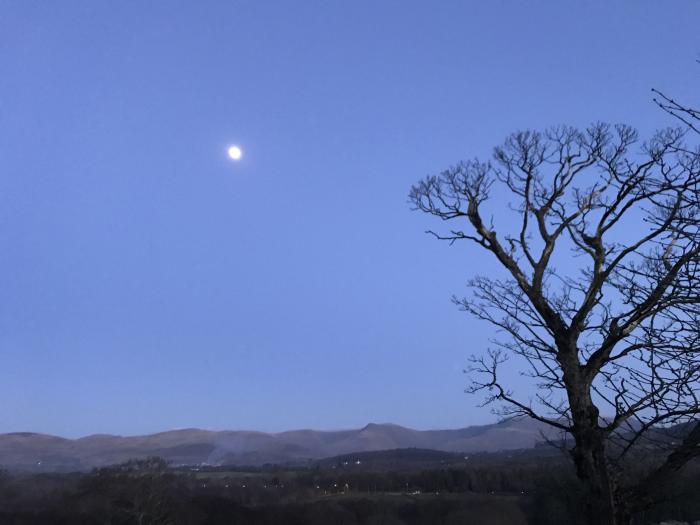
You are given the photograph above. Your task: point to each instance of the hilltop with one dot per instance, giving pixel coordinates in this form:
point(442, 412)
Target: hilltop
point(40, 452)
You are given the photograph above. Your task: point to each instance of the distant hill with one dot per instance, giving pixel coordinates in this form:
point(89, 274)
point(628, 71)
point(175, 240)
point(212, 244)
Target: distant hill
point(40, 452)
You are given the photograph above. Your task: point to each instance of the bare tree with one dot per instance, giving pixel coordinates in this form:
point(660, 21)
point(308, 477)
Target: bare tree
point(141, 490)
point(599, 301)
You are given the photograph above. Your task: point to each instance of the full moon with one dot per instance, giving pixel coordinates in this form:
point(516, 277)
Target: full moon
point(235, 153)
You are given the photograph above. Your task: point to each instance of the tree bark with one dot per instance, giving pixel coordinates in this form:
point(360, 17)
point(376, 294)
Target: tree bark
point(603, 499)
point(592, 469)
point(589, 453)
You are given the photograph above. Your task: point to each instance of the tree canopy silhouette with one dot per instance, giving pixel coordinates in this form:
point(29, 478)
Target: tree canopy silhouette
point(598, 302)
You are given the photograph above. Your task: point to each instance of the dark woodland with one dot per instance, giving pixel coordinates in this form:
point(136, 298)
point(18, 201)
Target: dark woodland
point(489, 489)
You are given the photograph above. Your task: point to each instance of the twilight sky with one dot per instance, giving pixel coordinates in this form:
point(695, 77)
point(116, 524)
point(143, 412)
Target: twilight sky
point(147, 282)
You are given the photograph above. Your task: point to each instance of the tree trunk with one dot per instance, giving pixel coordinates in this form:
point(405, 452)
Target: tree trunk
point(603, 503)
point(600, 499)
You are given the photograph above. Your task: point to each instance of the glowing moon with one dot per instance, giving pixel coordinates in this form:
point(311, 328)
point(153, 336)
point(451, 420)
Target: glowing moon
point(235, 153)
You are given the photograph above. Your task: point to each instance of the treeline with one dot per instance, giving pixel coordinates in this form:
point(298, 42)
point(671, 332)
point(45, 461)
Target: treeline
point(149, 492)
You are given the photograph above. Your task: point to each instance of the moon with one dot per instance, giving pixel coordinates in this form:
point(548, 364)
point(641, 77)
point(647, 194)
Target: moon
point(235, 153)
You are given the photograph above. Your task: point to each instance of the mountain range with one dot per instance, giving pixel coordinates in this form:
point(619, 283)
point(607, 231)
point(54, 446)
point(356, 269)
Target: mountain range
point(41, 452)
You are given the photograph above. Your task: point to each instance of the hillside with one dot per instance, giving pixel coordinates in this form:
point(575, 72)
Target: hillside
point(39, 452)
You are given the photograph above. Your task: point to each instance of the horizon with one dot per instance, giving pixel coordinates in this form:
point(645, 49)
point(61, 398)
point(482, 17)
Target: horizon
point(251, 430)
point(151, 281)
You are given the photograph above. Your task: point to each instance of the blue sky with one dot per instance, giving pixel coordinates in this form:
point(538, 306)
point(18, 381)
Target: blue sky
point(147, 282)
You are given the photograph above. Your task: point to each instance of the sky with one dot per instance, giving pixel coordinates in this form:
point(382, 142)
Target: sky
point(148, 282)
